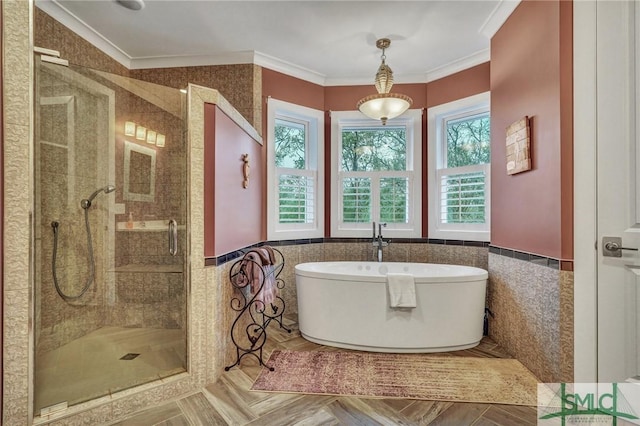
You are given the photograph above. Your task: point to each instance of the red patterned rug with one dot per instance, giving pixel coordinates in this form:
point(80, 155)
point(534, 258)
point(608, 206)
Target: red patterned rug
point(410, 376)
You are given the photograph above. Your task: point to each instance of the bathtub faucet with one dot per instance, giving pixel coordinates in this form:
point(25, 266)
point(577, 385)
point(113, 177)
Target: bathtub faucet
point(378, 241)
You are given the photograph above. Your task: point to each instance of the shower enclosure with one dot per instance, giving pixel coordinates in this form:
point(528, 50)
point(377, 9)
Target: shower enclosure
point(109, 261)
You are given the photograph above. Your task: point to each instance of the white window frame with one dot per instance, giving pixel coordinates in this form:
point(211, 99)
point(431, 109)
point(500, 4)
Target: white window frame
point(436, 120)
point(313, 120)
point(412, 120)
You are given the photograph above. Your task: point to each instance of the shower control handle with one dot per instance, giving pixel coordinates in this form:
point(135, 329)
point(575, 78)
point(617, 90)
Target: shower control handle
point(173, 237)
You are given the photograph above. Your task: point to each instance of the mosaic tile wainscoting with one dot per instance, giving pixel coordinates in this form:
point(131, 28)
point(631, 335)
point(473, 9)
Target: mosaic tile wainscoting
point(532, 306)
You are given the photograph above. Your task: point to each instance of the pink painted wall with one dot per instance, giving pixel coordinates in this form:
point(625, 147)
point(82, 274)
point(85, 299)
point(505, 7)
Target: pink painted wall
point(531, 74)
point(460, 85)
point(233, 214)
point(448, 89)
point(290, 89)
point(344, 98)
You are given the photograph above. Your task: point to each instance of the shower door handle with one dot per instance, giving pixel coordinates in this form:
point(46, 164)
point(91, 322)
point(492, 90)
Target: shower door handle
point(173, 237)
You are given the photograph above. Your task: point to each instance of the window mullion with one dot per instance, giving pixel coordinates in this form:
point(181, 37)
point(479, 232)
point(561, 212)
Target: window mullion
point(375, 197)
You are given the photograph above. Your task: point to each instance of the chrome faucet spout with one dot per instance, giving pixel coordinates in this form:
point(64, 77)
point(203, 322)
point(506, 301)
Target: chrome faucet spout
point(380, 225)
point(381, 242)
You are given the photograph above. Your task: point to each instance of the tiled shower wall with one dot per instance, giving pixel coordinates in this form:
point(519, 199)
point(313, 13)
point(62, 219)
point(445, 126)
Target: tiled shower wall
point(50, 34)
point(149, 282)
point(68, 169)
point(240, 84)
point(533, 315)
point(149, 291)
point(148, 295)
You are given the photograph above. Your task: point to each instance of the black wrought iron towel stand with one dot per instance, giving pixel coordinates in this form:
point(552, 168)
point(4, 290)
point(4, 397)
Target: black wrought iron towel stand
point(249, 329)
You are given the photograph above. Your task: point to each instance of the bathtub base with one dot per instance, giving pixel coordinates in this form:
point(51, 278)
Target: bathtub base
point(389, 350)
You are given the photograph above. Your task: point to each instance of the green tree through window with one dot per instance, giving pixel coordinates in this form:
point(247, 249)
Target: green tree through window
point(293, 190)
point(468, 143)
point(374, 150)
point(290, 144)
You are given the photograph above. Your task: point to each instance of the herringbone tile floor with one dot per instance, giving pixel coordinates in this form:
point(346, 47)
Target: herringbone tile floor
point(229, 401)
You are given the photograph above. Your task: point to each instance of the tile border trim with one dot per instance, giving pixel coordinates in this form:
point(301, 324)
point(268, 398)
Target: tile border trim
point(227, 257)
point(550, 262)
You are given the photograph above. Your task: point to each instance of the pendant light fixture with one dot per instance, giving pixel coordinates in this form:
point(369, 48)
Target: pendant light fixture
point(384, 105)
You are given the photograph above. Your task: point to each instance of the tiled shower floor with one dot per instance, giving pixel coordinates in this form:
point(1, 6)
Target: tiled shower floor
point(90, 367)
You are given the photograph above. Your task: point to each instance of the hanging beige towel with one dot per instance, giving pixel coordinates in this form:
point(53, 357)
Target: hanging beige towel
point(402, 291)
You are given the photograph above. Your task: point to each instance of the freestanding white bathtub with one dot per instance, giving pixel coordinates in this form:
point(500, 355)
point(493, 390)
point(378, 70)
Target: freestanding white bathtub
point(346, 304)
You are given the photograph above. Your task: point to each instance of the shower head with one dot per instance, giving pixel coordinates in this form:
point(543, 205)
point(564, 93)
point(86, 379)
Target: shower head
point(86, 203)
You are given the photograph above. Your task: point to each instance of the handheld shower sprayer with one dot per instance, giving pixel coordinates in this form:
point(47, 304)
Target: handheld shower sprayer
point(55, 225)
point(86, 203)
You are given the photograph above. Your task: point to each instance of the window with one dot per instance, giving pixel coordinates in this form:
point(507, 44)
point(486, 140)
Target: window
point(294, 156)
point(377, 174)
point(459, 164)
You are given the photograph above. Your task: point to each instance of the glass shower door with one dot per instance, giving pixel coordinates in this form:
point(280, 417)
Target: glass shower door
point(109, 235)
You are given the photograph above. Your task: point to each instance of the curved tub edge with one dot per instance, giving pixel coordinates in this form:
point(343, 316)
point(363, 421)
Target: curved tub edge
point(372, 272)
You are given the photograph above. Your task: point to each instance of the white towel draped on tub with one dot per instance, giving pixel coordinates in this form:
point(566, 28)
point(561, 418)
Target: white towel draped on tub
point(402, 291)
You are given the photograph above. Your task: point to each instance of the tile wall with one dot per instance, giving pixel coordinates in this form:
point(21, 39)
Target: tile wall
point(67, 170)
point(50, 34)
point(17, 115)
point(240, 84)
point(532, 306)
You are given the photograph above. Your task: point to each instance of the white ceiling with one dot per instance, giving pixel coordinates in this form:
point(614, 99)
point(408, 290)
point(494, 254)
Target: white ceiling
point(326, 42)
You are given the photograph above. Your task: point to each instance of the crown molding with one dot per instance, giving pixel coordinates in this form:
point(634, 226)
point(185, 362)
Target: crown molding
point(78, 26)
point(498, 17)
point(458, 65)
point(233, 58)
point(289, 68)
point(74, 23)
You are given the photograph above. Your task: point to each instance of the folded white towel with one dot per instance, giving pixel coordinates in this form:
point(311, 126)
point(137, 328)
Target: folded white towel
point(402, 291)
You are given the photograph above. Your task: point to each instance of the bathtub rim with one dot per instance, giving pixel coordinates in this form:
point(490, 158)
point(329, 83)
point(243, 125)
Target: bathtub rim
point(473, 273)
